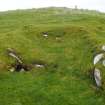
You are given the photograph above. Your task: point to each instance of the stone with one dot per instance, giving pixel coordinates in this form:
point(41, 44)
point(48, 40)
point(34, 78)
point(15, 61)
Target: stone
point(45, 35)
point(13, 54)
point(22, 70)
point(97, 77)
point(58, 39)
point(12, 69)
point(39, 65)
point(97, 58)
point(103, 47)
point(16, 57)
point(103, 62)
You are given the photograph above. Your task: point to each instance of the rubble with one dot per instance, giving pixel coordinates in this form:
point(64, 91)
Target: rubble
point(19, 65)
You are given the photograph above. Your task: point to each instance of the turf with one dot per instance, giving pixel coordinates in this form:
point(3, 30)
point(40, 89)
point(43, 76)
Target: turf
point(80, 36)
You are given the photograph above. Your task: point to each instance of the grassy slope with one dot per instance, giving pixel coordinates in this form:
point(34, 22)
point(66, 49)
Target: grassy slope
point(81, 32)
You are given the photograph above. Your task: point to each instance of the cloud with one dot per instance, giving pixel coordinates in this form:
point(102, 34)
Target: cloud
point(22, 4)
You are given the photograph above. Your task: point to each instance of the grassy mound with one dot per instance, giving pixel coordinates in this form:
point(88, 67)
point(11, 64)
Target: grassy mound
point(74, 37)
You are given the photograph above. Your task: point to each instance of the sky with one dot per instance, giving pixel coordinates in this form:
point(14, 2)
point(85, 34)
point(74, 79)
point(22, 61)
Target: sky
point(25, 4)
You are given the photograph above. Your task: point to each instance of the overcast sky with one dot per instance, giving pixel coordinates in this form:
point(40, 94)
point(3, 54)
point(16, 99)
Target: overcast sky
point(23, 4)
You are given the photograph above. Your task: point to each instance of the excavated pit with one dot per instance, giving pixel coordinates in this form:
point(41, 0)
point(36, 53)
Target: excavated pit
point(20, 67)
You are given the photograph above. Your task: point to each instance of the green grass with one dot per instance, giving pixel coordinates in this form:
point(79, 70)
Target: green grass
point(81, 34)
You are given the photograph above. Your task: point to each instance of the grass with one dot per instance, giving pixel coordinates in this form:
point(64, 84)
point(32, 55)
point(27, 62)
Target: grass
point(81, 34)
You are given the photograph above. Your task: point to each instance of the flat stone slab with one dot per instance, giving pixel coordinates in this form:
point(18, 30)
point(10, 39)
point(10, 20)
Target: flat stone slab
point(97, 77)
point(97, 58)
